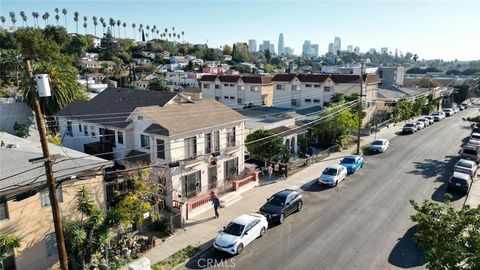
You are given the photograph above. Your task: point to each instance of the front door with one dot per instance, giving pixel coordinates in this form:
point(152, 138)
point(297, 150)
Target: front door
point(212, 176)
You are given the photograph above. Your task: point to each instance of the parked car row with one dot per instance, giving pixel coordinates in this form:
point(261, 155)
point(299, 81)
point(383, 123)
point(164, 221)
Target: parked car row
point(465, 170)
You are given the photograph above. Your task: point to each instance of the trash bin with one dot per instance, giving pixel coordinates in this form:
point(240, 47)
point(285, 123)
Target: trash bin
point(311, 151)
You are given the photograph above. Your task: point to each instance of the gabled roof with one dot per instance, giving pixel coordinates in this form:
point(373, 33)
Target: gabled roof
point(320, 78)
point(202, 114)
point(283, 77)
point(208, 78)
point(257, 79)
point(345, 78)
point(17, 171)
point(234, 78)
point(229, 78)
point(113, 105)
point(313, 78)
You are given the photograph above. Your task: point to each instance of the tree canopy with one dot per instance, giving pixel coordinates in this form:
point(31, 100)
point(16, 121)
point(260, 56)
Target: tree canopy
point(268, 145)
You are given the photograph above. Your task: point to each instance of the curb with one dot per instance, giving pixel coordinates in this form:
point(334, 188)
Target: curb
point(203, 249)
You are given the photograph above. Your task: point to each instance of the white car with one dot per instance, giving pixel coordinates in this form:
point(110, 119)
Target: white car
point(448, 111)
point(332, 175)
point(466, 166)
point(241, 232)
point(420, 125)
point(425, 121)
point(379, 146)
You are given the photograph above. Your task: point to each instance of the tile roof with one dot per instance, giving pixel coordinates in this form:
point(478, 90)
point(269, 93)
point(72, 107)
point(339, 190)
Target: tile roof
point(320, 78)
point(188, 117)
point(113, 105)
point(284, 131)
point(345, 78)
point(208, 78)
point(283, 77)
point(18, 171)
point(229, 78)
point(313, 78)
point(234, 78)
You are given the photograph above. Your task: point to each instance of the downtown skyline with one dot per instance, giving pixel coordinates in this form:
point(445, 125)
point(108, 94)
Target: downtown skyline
point(426, 35)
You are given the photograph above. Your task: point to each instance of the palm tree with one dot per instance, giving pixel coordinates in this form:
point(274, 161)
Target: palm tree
point(57, 17)
point(75, 18)
point(22, 15)
point(183, 36)
point(64, 11)
point(112, 24)
point(140, 27)
point(148, 29)
point(12, 17)
point(85, 26)
point(173, 28)
point(169, 35)
point(157, 31)
point(118, 27)
point(133, 26)
point(2, 18)
point(35, 18)
point(47, 15)
point(95, 23)
point(7, 243)
point(166, 31)
point(102, 22)
point(178, 36)
point(125, 29)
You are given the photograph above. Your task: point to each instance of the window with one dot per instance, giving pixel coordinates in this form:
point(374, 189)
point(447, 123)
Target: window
point(92, 128)
point(51, 242)
point(232, 85)
point(145, 141)
point(85, 130)
point(295, 102)
point(230, 168)
point(307, 85)
point(326, 89)
point(225, 84)
point(308, 100)
point(160, 149)
point(316, 100)
point(241, 87)
point(192, 184)
point(296, 87)
point(217, 86)
point(69, 129)
point(3, 208)
point(254, 88)
point(45, 198)
point(120, 137)
point(316, 85)
point(216, 140)
point(279, 87)
point(232, 97)
point(239, 101)
point(190, 145)
point(231, 137)
point(79, 127)
point(218, 98)
point(140, 117)
point(208, 143)
point(225, 97)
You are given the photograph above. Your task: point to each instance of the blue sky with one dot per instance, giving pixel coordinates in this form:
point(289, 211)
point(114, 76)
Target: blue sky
point(432, 29)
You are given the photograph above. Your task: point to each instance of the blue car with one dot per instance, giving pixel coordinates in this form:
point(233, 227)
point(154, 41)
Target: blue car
point(352, 163)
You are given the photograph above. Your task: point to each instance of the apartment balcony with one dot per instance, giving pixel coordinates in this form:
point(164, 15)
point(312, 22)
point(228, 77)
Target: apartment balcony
point(100, 149)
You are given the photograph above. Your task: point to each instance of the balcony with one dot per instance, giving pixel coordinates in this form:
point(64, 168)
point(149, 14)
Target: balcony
point(101, 149)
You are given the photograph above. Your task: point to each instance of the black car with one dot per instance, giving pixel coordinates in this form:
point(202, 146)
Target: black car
point(282, 204)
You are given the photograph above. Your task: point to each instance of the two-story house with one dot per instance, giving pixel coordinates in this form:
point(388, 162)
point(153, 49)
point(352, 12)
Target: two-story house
point(198, 145)
point(24, 198)
point(237, 90)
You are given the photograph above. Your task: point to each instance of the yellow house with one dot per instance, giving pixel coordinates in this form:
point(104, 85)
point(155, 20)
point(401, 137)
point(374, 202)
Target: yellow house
point(24, 199)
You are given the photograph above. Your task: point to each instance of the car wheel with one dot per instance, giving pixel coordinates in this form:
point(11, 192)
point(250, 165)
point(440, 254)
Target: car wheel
point(299, 206)
point(282, 218)
point(239, 249)
point(262, 231)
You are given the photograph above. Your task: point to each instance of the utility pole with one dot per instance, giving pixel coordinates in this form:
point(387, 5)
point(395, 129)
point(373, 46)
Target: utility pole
point(360, 109)
point(51, 182)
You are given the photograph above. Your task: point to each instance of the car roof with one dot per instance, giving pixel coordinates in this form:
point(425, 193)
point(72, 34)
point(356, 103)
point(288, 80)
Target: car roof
point(352, 156)
point(244, 219)
point(336, 167)
point(382, 140)
point(284, 193)
point(460, 175)
point(475, 134)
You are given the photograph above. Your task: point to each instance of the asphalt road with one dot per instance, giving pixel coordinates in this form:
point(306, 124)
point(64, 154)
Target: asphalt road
point(364, 222)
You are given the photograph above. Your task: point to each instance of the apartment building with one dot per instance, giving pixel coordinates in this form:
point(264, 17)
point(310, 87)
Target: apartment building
point(237, 90)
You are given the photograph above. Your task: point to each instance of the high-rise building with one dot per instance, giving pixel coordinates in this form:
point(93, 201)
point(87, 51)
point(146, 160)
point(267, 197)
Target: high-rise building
point(266, 45)
point(331, 48)
point(396, 52)
point(281, 45)
point(357, 50)
point(384, 50)
point(288, 51)
point(252, 45)
point(372, 51)
point(350, 48)
point(310, 49)
point(306, 47)
point(337, 45)
point(314, 50)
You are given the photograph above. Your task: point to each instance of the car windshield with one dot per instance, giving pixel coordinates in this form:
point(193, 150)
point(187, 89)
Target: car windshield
point(277, 200)
point(330, 171)
point(409, 125)
point(470, 152)
point(464, 164)
point(379, 142)
point(234, 229)
point(458, 180)
point(348, 160)
point(476, 136)
point(435, 114)
point(422, 120)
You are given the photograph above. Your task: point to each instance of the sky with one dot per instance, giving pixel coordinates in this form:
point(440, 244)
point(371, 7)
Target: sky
point(432, 29)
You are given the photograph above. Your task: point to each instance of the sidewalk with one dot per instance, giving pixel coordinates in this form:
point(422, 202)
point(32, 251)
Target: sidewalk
point(473, 198)
point(205, 227)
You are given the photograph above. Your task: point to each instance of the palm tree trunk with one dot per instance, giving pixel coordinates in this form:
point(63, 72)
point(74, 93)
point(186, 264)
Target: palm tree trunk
point(66, 23)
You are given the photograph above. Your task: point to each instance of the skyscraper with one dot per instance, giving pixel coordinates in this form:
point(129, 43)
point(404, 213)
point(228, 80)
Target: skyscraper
point(357, 50)
point(350, 48)
point(266, 45)
point(306, 47)
point(288, 51)
point(281, 45)
point(384, 50)
point(337, 45)
point(331, 48)
point(252, 45)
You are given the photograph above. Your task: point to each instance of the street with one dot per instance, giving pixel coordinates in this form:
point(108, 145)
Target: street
point(363, 223)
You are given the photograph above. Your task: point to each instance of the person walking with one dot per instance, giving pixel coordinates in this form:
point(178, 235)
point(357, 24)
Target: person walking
point(270, 171)
point(216, 204)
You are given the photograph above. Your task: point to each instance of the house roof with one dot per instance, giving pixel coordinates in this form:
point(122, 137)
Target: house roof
point(284, 131)
point(390, 94)
point(17, 171)
point(192, 90)
point(188, 117)
point(313, 78)
point(345, 78)
point(208, 78)
point(113, 105)
point(229, 78)
point(235, 78)
point(283, 77)
point(320, 78)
